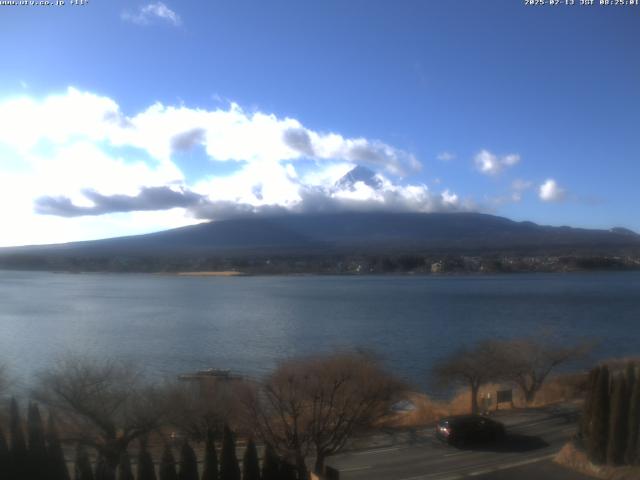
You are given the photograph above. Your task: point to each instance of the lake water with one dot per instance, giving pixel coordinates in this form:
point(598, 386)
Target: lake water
point(168, 324)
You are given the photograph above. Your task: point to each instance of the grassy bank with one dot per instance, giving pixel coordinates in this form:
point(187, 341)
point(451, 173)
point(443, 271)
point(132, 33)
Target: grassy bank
point(558, 389)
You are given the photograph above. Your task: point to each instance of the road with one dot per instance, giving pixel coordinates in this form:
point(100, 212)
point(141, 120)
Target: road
point(533, 438)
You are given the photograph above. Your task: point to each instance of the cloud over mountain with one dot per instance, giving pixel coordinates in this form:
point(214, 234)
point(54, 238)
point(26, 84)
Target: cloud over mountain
point(490, 164)
point(359, 190)
point(148, 199)
point(355, 150)
point(79, 156)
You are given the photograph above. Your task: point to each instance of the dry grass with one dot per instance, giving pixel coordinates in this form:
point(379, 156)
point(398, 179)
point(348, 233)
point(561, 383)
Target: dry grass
point(426, 411)
point(572, 457)
point(559, 389)
point(615, 364)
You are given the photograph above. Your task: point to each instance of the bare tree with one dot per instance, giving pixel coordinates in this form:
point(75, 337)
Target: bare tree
point(103, 404)
point(315, 405)
point(4, 379)
point(471, 367)
point(200, 408)
point(527, 362)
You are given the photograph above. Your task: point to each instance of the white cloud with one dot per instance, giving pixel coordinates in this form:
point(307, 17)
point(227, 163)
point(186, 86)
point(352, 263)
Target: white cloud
point(517, 190)
point(550, 191)
point(281, 189)
point(63, 146)
point(491, 164)
point(510, 160)
point(22, 226)
point(445, 156)
point(227, 135)
point(151, 12)
point(326, 174)
point(356, 150)
point(236, 135)
point(518, 187)
point(24, 121)
point(450, 198)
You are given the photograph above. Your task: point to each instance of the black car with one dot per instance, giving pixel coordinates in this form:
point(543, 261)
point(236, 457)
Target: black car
point(469, 429)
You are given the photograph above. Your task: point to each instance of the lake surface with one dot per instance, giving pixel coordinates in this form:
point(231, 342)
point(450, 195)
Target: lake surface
point(169, 324)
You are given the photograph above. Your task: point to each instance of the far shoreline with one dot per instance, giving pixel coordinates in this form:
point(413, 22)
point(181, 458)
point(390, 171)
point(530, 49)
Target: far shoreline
point(222, 273)
point(235, 273)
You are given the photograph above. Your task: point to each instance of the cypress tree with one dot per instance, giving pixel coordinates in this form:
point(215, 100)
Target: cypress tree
point(124, 467)
point(210, 471)
point(99, 468)
point(597, 443)
point(250, 463)
point(287, 471)
point(168, 465)
point(83, 465)
point(229, 468)
point(188, 463)
point(270, 464)
point(19, 454)
point(57, 464)
point(36, 443)
point(4, 456)
point(631, 453)
point(146, 470)
point(618, 422)
point(630, 376)
point(102, 470)
point(587, 411)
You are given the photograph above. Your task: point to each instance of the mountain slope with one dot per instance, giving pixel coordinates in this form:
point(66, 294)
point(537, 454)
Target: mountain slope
point(353, 232)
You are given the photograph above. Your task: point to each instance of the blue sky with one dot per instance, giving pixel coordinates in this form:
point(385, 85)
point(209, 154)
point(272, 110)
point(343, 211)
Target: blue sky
point(125, 117)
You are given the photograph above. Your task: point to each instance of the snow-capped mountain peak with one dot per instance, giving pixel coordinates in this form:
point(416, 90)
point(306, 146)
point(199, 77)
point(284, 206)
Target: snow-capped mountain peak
point(359, 174)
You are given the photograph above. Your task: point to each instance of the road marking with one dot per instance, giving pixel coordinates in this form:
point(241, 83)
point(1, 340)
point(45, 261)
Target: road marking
point(454, 454)
point(355, 469)
point(511, 465)
point(461, 472)
point(378, 450)
point(426, 476)
point(529, 426)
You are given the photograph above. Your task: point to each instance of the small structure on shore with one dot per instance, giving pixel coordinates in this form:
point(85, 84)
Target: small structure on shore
point(210, 374)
